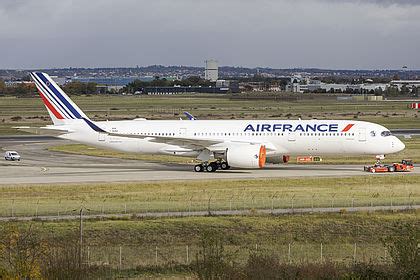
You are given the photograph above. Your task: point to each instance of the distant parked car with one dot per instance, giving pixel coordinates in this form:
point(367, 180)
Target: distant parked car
point(12, 155)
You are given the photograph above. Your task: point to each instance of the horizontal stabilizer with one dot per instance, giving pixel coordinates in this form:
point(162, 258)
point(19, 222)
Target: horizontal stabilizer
point(47, 131)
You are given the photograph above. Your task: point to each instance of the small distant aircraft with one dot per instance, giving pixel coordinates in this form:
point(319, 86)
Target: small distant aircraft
point(218, 144)
point(189, 116)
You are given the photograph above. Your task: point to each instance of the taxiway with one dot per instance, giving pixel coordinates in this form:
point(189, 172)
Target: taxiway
point(41, 166)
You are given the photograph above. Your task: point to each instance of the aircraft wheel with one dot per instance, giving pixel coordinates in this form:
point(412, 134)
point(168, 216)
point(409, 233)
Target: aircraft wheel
point(198, 168)
point(224, 166)
point(211, 167)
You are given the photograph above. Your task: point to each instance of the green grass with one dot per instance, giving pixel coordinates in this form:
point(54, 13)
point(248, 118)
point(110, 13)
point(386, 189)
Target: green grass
point(139, 238)
point(163, 196)
point(392, 114)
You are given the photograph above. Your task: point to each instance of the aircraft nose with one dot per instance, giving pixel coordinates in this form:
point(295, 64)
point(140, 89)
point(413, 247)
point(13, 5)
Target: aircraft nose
point(398, 145)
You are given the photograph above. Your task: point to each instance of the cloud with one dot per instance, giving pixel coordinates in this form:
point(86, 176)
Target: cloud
point(276, 33)
point(379, 2)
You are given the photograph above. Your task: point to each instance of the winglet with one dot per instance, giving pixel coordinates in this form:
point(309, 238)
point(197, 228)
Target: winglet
point(189, 116)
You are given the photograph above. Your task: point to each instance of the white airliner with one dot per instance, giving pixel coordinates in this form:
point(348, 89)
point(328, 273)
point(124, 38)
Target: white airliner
point(218, 144)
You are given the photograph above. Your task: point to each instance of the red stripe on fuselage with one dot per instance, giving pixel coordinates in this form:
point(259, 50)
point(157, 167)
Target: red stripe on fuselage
point(50, 107)
point(348, 127)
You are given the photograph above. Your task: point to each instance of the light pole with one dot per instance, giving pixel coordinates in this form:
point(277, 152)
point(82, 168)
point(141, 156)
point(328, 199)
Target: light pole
point(81, 233)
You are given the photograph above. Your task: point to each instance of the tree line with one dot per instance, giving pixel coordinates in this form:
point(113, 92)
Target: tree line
point(76, 87)
point(138, 85)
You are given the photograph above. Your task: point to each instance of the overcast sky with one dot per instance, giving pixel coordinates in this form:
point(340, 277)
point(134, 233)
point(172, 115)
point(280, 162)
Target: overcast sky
point(338, 34)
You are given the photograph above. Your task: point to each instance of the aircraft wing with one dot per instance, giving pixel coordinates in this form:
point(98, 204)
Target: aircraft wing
point(184, 142)
point(192, 143)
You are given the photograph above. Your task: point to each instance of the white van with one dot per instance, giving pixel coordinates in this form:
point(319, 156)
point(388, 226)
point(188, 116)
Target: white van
point(12, 155)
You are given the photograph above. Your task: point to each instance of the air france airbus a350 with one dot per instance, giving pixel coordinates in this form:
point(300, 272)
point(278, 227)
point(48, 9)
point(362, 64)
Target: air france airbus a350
point(218, 144)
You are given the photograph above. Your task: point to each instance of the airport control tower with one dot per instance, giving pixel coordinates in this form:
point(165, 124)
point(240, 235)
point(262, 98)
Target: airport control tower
point(212, 70)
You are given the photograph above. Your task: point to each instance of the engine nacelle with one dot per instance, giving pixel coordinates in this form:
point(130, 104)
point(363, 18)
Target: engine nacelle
point(246, 156)
point(278, 159)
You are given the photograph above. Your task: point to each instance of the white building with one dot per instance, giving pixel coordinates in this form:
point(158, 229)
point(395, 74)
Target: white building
point(314, 86)
point(407, 83)
point(212, 70)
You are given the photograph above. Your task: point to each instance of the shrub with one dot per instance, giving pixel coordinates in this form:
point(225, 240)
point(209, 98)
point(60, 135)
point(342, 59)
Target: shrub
point(403, 247)
point(16, 118)
point(212, 262)
point(24, 255)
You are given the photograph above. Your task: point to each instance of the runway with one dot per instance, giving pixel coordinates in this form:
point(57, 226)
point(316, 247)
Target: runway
point(40, 166)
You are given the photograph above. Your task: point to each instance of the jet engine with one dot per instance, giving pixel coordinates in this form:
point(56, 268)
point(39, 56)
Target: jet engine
point(278, 159)
point(246, 156)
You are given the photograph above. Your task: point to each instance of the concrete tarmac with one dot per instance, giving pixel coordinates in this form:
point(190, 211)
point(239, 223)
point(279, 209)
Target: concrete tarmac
point(40, 166)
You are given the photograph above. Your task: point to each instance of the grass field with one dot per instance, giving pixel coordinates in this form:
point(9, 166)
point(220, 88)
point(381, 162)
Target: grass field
point(163, 196)
point(162, 241)
point(31, 111)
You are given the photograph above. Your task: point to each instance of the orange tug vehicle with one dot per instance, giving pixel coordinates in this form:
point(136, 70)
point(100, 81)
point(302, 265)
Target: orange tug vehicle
point(406, 165)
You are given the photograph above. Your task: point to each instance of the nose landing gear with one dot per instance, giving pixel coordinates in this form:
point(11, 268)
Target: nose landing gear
point(211, 167)
point(379, 159)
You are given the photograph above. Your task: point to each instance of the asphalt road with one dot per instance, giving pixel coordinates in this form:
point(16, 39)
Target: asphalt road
point(41, 166)
point(288, 211)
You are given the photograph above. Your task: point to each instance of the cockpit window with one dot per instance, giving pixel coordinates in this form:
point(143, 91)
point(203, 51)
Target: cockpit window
point(386, 133)
point(373, 133)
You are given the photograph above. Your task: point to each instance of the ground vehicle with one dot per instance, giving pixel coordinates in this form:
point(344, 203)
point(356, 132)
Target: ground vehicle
point(379, 168)
point(406, 165)
point(12, 155)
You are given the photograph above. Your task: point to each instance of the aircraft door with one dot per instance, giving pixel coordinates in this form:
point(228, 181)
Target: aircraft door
point(362, 135)
point(182, 132)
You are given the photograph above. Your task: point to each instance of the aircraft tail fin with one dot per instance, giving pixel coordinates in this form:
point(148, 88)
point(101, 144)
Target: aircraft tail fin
point(59, 105)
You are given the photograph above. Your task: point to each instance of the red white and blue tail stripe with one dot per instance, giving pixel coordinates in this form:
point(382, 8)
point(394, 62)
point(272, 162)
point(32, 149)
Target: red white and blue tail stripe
point(59, 105)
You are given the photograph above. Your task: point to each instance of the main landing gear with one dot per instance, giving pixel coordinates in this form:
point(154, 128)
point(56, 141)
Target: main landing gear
point(211, 167)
